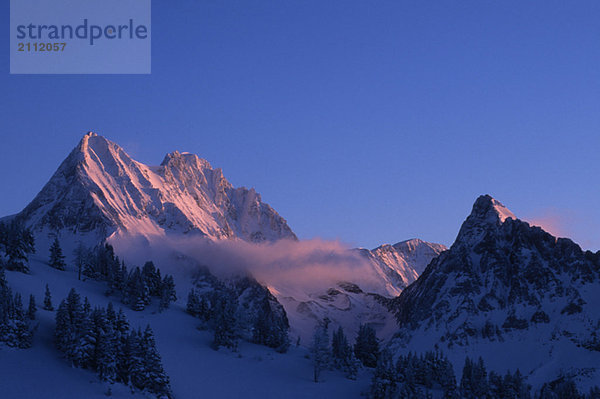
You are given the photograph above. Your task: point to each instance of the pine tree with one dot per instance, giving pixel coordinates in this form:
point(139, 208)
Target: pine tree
point(107, 354)
point(474, 381)
point(157, 381)
point(57, 259)
point(385, 378)
point(167, 290)
point(343, 355)
point(320, 349)
point(225, 322)
point(152, 278)
point(18, 242)
point(339, 345)
point(48, 299)
point(193, 304)
point(366, 347)
point(81, 256)
point(31, 309)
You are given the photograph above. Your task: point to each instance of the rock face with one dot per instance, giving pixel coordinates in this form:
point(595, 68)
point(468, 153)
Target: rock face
point(99, 188)
point(512, 289)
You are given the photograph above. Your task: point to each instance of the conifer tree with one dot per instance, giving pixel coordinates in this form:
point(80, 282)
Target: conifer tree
point(343, 355)
point(107, 354)
point(48, 299)
point(17, 243)
point(224, 322)
point(81, 257)
point(157, 381)
point(31, 309)
point(385, 377)
point(320, 349)
point(366, 347)
point(193, 304)
point(57, 259)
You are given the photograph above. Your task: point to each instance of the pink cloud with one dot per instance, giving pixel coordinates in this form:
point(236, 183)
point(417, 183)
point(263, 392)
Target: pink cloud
point(552, 221)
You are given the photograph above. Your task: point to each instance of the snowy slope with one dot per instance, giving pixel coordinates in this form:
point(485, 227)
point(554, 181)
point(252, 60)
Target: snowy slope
point(100, 189)
point(511, 293)
point(195, 369)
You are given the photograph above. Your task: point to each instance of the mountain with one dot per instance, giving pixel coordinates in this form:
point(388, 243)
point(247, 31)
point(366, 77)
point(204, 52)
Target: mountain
point(351, 303)
point(509, 292)
point(100, 189)
point(99, 192)
point(400, 264)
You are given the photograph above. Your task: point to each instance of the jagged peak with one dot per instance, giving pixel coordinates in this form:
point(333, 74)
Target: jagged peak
point(185, 158)
point(489, 209)
point(414, 243)
point(409, 245)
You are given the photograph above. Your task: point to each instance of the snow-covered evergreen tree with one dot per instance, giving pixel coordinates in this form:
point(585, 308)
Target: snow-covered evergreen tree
point(366, 347)
point(224, 321)
point(48, 299)
point(81, 256)
point(193, 304)
point(320, 349)
point(343, 355)
point(474, 382)
point(57, 259)
point(385, 378)
point(157, 381)
point(16, 243)
point(31, 308)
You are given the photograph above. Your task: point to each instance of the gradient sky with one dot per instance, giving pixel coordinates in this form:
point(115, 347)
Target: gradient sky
point(370, 122)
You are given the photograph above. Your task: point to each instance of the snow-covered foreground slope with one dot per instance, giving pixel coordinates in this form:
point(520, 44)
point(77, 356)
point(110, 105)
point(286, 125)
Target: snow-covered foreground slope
point(511, 293)
point(99, 188)
point(194, 368)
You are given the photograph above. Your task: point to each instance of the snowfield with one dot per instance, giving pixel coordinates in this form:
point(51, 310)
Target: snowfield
point(195, 369)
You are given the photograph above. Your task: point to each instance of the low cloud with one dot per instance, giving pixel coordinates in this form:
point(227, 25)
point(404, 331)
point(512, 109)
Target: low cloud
point(287, 267)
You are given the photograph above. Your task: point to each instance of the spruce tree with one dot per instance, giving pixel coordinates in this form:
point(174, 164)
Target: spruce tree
point(385, 378)
point(31, 309)
point(107, 353)
point(320, 349)
point(48, 299)
point(225, 322)
point(57, 259)
point(81, 256)
point(157, 381)
point(18, 242)
point(193, 303)
point(366, 347)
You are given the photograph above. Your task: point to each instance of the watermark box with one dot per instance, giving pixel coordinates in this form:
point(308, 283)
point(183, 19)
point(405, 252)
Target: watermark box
point(80, 37)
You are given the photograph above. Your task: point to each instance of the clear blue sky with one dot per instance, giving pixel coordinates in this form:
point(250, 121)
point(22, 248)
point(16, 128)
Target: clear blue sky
point(370, 122)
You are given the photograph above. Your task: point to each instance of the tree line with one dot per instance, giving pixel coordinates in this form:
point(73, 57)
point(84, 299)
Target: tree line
point(136, 287)
point(431, 374)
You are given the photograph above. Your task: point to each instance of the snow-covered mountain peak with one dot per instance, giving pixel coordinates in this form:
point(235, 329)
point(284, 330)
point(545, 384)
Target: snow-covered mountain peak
point(100, 188)
point(506, 286)
point(401, 264)
point(489, 209)
point(488, 213)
